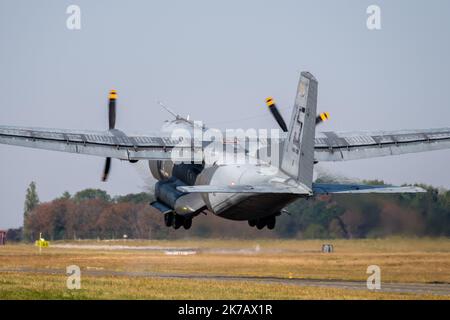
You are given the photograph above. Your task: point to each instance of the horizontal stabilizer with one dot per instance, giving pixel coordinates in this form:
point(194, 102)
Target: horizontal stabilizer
point(242, 189)
point(325, 188)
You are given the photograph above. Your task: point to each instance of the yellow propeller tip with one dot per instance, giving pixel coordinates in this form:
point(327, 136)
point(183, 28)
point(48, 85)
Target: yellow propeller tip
point(113, 94)
point(325, 116)
point(270, 101)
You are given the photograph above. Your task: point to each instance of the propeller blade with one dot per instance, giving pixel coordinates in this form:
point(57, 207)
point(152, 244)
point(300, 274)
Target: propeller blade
point(112, 125)
point(273, 109)
point(106, 169)
point(112, 109)
point(324, 116)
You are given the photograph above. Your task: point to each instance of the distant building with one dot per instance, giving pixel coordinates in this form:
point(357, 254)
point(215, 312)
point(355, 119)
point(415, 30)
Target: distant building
point(2, 237)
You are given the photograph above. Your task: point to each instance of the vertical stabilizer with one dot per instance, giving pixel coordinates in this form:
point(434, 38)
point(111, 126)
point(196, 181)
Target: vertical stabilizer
point(298, 153)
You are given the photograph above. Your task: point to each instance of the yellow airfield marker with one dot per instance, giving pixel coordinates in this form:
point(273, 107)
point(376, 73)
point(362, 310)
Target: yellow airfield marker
point(41, 243)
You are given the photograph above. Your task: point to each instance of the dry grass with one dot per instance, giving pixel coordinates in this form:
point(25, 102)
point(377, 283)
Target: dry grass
point(401, 260)
point(43, 286)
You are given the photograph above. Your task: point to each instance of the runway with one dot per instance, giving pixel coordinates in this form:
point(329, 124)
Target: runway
point(440, 289)
point(181, 250)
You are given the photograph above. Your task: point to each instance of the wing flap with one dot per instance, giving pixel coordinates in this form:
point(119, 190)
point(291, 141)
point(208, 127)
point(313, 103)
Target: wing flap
point(336, 146)
point(112, 143)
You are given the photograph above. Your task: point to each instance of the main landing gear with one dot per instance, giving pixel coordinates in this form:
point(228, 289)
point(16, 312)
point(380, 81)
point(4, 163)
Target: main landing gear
point(176, 221)
point(260, 223)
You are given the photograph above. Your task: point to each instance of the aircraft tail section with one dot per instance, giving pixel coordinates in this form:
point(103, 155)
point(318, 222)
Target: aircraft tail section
point(298, 153)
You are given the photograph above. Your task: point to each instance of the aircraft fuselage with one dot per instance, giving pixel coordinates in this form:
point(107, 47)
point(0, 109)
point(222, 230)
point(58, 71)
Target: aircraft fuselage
point(242, 206)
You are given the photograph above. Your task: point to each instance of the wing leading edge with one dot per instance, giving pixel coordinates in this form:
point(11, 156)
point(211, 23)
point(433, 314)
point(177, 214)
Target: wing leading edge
point(243, 189)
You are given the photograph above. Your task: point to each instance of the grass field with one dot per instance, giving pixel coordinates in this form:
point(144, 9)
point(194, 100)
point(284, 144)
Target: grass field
point(400, 260)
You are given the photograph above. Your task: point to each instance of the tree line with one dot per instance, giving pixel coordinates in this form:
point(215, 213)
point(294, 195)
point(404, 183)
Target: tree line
point(94, 214)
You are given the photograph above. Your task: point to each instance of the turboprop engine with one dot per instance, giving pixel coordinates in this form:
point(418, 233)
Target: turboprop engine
point(171, 176)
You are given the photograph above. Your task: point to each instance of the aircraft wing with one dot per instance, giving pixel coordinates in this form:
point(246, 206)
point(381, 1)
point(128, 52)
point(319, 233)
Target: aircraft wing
point(329, 146)
point(325, 188)
point(112, 143)
point(342, 146)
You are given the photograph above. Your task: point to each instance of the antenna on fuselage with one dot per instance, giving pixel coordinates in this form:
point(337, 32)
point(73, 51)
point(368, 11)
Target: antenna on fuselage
point(176, 115)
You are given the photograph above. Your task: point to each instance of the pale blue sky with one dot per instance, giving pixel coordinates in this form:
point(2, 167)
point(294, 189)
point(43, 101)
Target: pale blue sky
point(217, 61)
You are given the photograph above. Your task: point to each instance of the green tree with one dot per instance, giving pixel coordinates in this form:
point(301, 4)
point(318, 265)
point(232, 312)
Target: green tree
point(315, 231)
point(14, 235)
point(90, 194)
point(136, 198)
point(66, 195)
point(31, 202)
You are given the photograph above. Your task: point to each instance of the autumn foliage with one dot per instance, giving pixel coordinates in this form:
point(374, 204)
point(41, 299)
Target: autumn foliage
point(93, 214)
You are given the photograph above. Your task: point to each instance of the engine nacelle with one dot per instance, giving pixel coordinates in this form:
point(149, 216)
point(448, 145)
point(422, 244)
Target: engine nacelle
point(187, 172)
point(166, 191)
point(170, 176)
point(161, 170)
point(182, 203)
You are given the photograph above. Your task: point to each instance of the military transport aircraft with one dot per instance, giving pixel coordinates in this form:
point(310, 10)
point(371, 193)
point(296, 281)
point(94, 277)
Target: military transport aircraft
point(193, 180)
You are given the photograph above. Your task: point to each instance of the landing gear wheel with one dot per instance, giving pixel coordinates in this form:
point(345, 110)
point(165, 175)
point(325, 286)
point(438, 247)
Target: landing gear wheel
point(252, 223)
point(261, 223)
point(168, 219)
point(187, 223)
point(178, 221)
point(271, 221)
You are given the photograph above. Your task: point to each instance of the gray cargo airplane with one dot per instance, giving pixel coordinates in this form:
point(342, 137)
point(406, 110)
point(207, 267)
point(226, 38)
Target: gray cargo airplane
point(191, 182)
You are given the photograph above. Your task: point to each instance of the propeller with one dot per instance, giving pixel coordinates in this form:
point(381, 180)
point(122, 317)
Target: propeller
point(322, 117)
point(106, 169)
point(274, 110)
point(112, 109)
point(112, 125)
